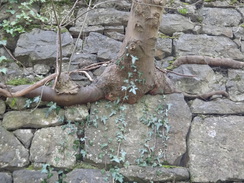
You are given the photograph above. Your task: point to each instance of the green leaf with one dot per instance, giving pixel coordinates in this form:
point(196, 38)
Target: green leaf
point(36, 99)
point(2, 58)
point(3, 42)
point(134, 59)
point(3, 70)
point(11, 11)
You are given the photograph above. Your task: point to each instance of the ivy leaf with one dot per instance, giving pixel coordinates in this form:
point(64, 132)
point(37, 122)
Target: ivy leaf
point(104, 119)
point(11, 11)
point(3, 42)
point(83, 153)
point(45, 168)
point(115, 159)
point(2, 58)
point(123, 88)
point(133, 89)
point(37, 99)
point(3, 70)
point(133, 59)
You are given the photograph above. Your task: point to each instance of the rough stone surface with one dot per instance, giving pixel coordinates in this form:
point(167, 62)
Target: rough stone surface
point(218, 139)
point(87, 176)
point(235, 84)
point(54, 146)
point(212, 46)
point(75, 31)
point(155, 174)
point(220, 17)
point(25, 136)
point(83, 59)
point(103, 16)
point(76, 113)
point(172, 23)
point(135, 132)
point(2, 107)
point(39, 46)
point(41, 69)
point(61, 11)
point(238, 32)
point(5, 177)
point(163, 47)
point(12, 153)
point(218, 106)
point(105, 47)
point(33, 176)
point(25, 119)
point(204, 81)
point(217, 31)
point(20, 103)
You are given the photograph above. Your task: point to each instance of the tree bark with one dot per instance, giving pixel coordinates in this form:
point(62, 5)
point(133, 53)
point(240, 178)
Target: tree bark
point(129, 77)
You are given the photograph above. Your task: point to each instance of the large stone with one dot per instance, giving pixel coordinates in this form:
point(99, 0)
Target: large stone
point(12, 153)
point(25, 136)
point(83, 59)
point(54, 146)
point(163, 47)
point(127, 132)
point(123, 5)
point(155, 174)
point(201, 79)
point(235, 84)
point(39, 46)
point(103, 16)
point(99, 44)
point(172, 23)
point(238, 32)
point(220, 17)
point(87, 176)
point(214, 149)
point(217, 31)
point(26, 119)
point(213, 46)
point(22, 103)
point(76, 31)
point(2, 107)
point(217, 106)
point(5, 177)
point(33, 176)
point(76, 113)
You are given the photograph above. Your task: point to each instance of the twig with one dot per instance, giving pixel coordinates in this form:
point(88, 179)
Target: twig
point(70, 11)
point(78, 16)
point(87, 75)
point(28, 89)
point(83, 25)
point(59, 48)
point(11, 55)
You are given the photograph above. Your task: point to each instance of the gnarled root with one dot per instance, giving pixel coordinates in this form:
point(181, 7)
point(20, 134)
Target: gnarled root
point(207, 96)
point(216, 62)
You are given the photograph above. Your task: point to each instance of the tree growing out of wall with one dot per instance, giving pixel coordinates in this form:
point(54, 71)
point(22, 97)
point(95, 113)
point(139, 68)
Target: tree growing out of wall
point(129, 77)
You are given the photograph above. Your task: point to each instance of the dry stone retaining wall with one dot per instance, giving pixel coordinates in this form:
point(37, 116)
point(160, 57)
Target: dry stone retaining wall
point(200, 141)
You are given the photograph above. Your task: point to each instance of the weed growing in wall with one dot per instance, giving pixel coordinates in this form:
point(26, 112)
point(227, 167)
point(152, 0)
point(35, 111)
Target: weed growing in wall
point(23, 16)
point(112, 145)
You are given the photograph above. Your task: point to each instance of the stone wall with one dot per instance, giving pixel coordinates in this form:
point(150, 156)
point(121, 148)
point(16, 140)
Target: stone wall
point(161, 138)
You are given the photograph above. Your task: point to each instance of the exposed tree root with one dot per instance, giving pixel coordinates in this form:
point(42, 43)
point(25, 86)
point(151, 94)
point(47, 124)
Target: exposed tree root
point(207, 96)
point(104, 86)
point(215, 62)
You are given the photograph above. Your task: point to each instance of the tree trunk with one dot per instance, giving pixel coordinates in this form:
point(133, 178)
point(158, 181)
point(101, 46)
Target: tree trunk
point(134, 74)
point(129, 77)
